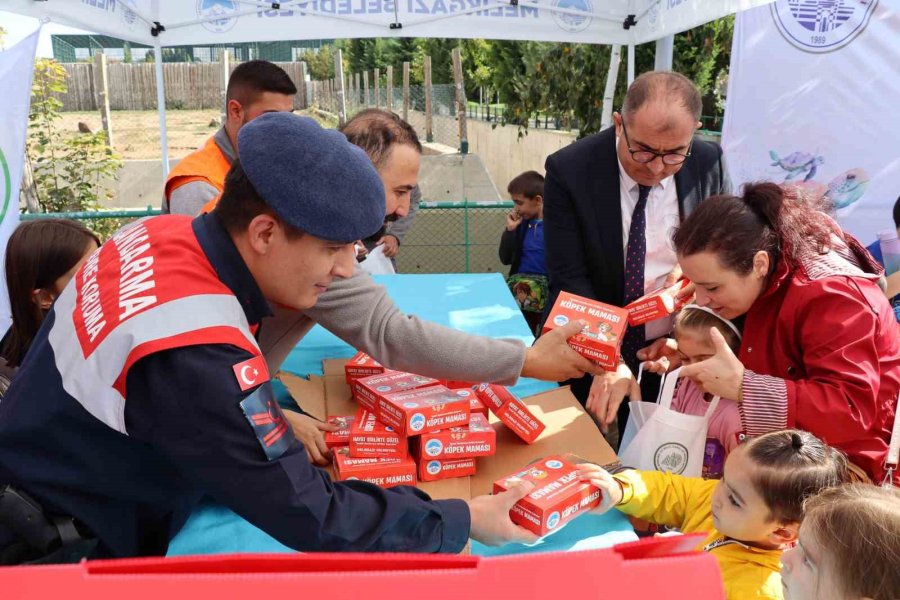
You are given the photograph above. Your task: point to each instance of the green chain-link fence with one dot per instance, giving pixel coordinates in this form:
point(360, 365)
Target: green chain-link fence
point(446, 237)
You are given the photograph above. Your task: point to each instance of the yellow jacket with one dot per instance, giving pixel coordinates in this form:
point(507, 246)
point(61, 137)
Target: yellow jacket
point(686, 503)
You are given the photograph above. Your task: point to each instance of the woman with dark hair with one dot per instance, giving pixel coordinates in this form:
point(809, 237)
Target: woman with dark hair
point(41, 257)
point(821, 348)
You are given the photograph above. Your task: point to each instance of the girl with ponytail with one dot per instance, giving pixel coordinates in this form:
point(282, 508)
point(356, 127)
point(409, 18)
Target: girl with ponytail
point(820, 348)
point(749, 516)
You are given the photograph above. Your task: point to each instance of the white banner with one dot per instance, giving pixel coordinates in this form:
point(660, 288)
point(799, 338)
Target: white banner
point(813, 96)
point(222, 21)
point(16, 69)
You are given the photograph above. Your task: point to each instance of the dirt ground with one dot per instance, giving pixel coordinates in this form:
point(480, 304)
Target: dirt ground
point(136, 133)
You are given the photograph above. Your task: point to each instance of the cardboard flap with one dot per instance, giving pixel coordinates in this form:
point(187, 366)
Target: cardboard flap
point(309, 394)
point(333, 366)
point(569, 430)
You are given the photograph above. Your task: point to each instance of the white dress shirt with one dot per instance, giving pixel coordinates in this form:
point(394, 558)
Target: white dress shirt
point(662, 219)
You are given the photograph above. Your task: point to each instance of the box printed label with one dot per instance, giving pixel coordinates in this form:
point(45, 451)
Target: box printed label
point(600, 340)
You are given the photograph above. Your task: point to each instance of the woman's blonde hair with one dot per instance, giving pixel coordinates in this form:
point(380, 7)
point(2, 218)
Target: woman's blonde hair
point(858, 528)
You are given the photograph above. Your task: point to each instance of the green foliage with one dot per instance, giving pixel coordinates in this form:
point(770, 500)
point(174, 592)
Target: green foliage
point(567, 81)
point(68, 168)
point(319, 62)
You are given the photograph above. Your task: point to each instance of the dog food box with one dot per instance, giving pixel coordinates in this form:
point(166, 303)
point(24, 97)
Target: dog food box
point(657, 305)
point(477, 438)
point(361, 365)
point(369, 437)
point(386, 472)
point(475, 404)
point(511, 411)
point(426, 409)
point(433, 469)
point(601, 339)
point(341, 437)
point(368, 391)
point(558, 497)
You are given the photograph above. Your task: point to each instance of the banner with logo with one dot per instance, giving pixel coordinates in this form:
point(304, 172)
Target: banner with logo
point(813, 97)
point(218, 21)
point(16, 68)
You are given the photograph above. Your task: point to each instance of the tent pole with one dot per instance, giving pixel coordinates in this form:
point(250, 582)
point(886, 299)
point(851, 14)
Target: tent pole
point(630, 63)
point(161, 107)
point(665, 49)
point(615, 59)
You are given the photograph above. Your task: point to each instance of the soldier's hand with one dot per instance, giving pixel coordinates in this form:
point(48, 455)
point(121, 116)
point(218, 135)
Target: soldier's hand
point(491, 524)
point(310, 432)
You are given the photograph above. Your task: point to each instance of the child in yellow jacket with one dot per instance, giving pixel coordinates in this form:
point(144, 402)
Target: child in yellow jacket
point(750, 515)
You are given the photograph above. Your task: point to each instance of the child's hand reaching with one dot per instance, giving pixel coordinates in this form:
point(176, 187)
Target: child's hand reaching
point(598, 476)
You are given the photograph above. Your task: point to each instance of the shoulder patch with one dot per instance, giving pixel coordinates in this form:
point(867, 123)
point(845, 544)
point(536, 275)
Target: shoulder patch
point(251, 372)
point(268, 422)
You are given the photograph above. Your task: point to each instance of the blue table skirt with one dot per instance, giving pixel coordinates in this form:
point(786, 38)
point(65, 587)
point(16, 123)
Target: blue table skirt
point(479, 304)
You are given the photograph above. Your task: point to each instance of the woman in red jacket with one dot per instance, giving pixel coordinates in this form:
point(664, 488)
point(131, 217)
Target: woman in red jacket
point(821, 347)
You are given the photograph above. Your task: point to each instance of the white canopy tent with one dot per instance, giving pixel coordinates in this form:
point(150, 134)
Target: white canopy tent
point(164, 23)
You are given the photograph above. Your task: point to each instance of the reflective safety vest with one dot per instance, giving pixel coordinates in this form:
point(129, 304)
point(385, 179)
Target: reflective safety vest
point(150, 288)
point(208, 164)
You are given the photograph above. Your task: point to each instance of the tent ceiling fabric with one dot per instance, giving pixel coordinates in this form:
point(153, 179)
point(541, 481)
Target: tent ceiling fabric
point(189, 22)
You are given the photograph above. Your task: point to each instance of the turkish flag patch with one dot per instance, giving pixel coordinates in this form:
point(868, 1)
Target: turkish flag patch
point(251, 373)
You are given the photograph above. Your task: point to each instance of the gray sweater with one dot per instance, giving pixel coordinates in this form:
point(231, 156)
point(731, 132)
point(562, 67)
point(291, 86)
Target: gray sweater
point(361, 313)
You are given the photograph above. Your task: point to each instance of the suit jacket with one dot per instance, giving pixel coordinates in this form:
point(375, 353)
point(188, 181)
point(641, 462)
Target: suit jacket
point(583, 212)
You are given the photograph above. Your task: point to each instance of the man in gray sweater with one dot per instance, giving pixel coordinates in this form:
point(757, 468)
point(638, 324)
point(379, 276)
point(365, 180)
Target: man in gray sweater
point(361, 313)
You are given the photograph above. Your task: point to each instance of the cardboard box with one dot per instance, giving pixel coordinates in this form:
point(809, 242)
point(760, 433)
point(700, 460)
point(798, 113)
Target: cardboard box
point(386, 472)
point(600, 340)
point(558, 497)
point(477, 438)
point(433, 469)
point(371, 438)
point(425, 409)
point(459, 385)
point(657, 304)
point(368, 391)
point(511, 411)
point(361, 365)
point(341, 437)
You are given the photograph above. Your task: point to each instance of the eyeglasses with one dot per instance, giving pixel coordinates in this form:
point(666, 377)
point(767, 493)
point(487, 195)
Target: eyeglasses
point(648, 156)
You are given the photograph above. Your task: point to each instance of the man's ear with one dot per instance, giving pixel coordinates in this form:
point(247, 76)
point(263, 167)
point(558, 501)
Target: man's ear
point(261, 232)
point(539, 199)
point(785, 533)
point(234, 110)
point(617, 121)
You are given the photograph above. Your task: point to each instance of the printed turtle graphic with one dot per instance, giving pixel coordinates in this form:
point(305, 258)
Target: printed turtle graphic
point(847, 188)
point(797, 163)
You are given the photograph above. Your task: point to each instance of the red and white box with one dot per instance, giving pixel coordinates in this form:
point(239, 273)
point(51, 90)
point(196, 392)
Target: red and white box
point(341, 437)
point(476, 406)
point(361, 365)
point(368, 391)
point(558, 497)
point(477, 438)
point(386, 472)
point(425, 409)
point(511, 411)
point(657, 304)
point(369, 437)
point(600, 340)
point(459, 385)
point(433, 469)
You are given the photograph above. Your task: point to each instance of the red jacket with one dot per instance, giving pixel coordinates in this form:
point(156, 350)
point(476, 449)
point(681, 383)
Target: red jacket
point(821, 348)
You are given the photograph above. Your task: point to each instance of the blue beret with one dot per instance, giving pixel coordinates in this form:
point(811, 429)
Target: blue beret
point(313, 178)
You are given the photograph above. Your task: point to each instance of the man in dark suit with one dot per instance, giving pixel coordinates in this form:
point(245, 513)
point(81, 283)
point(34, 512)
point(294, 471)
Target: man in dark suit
point(612, 201)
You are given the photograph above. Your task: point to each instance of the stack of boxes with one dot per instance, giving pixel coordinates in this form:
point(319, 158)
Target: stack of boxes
point(443, 424)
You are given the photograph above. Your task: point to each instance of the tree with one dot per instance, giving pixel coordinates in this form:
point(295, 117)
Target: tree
point(566, 81)
point(68, 170)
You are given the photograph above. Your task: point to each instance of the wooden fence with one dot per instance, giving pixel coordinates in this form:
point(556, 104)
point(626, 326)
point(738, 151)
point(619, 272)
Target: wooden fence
point(133, 86)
